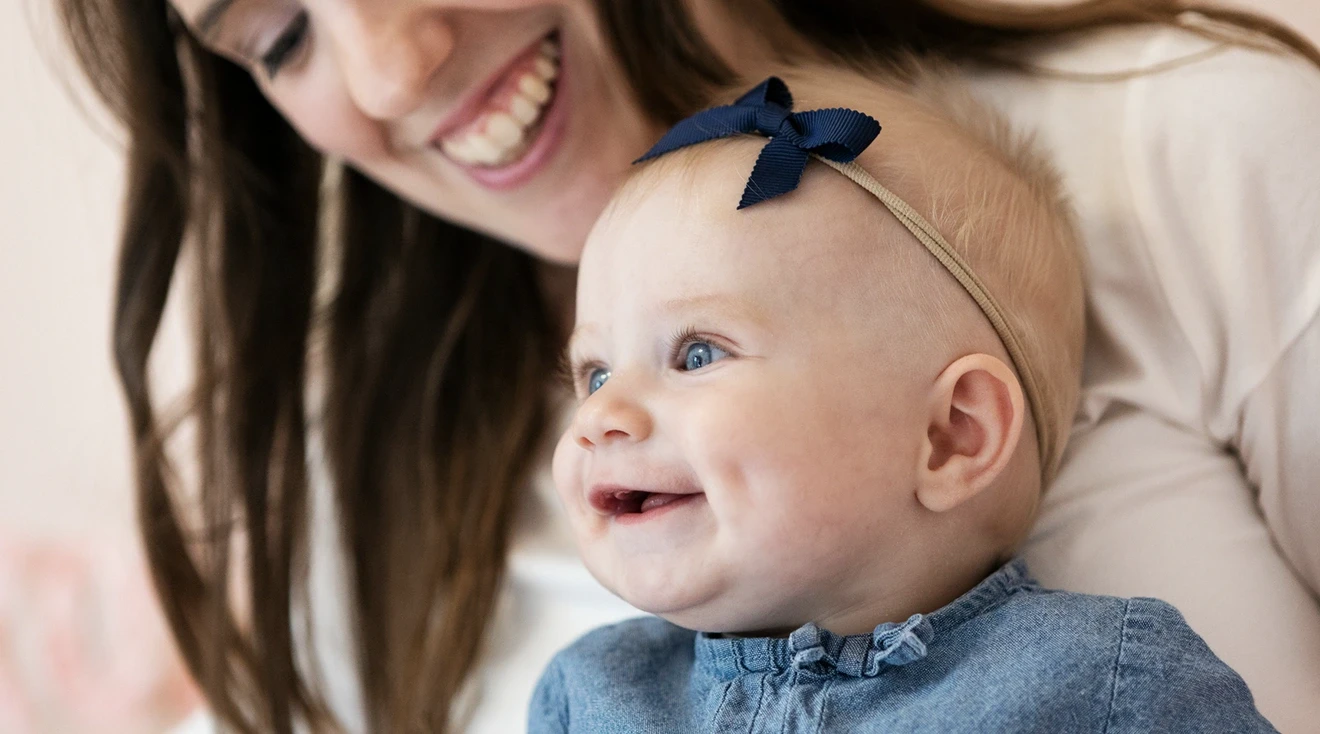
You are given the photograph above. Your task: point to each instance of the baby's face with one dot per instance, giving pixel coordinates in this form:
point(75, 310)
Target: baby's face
point(753, 396)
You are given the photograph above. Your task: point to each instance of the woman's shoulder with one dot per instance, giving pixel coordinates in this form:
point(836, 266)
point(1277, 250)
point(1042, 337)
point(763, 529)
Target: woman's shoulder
point(1191, 164)
point(1149, 52)
point(1143, 78)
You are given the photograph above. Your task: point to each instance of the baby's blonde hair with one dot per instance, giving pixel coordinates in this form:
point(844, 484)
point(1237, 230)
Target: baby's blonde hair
point(998, 200)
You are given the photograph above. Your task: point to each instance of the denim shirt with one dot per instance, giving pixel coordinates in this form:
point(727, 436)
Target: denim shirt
point(1006, 656)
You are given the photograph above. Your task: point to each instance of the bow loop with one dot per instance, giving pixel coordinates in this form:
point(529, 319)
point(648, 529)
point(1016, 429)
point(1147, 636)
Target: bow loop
point(834, 133)
point(777, 171)
point(899, 644)
point(771, 92)
point(838, 134)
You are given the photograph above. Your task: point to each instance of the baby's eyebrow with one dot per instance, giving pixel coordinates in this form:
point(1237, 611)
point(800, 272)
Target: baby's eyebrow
point(724, 304)
point(566, 355)
point(710, 304)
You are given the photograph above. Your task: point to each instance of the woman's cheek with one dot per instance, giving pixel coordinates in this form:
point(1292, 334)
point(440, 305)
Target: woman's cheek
point(318, 106)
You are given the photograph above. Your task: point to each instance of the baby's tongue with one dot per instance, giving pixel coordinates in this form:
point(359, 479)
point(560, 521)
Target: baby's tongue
point(657, 500)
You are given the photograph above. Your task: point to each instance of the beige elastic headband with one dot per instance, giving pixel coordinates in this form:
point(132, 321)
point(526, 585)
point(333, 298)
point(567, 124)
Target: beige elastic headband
point(935, 243)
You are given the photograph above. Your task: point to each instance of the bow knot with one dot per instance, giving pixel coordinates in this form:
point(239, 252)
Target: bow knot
point(836, 133)
point(775, 120)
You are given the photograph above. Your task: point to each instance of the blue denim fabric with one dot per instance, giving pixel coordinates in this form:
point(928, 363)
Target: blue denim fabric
point(1007, 656)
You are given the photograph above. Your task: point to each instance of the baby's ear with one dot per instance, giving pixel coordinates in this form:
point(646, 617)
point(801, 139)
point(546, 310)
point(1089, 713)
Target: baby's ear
point(975, 422)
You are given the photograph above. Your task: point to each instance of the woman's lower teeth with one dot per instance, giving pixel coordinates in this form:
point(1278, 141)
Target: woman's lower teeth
point(501, 137)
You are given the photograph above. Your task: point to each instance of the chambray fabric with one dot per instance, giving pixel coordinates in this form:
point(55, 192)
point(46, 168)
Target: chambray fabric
point(1008, 656)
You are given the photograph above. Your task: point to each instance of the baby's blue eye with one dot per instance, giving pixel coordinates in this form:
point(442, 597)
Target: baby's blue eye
point(700, 354)
point(597, 379)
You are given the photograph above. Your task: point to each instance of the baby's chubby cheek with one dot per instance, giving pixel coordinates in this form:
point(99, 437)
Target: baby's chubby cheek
point(793, 475)
point(568, 469)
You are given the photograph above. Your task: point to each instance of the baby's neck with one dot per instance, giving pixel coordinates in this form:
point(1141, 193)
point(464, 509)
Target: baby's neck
point(928, 593)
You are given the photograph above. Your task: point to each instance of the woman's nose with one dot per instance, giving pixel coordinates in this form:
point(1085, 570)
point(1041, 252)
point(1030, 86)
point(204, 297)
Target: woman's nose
point(389, 51)
point(610, 416)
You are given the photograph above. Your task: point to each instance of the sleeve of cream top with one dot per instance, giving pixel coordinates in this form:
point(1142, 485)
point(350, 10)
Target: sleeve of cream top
point(1278, 438)
point(1242, 199)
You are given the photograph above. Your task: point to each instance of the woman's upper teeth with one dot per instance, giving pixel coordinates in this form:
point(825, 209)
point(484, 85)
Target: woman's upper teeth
point(498, 135)
point(524, 110)
point(532, 86)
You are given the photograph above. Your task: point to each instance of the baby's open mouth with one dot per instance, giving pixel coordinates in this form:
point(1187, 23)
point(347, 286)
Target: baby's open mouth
point(507, 126)
point(616, 502)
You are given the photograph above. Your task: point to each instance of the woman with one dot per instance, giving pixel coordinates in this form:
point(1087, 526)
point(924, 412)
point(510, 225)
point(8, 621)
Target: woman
point(430, 319)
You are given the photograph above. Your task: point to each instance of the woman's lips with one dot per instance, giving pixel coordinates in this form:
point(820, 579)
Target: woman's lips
point(509, 132)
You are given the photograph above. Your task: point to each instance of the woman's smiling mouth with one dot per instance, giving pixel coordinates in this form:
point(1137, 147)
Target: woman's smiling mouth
point(500, 129)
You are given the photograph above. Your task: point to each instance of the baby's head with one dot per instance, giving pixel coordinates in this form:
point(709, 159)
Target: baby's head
point(793, 412)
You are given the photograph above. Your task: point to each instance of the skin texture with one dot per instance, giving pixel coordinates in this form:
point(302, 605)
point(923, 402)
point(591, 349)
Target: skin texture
point(840, 452)
point(371, 81)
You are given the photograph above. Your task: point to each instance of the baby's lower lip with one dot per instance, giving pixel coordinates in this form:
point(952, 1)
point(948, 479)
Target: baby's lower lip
point(657, 506)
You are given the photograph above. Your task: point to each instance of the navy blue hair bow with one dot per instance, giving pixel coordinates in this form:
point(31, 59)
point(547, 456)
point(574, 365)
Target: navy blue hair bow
point(837, 133)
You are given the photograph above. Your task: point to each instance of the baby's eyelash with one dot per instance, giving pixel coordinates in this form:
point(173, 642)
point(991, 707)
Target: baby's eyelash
point(574, 375)
point(678, 340)
point(564, 373)
point(685, 336)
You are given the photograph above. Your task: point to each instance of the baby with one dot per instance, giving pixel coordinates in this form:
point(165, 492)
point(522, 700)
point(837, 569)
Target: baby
point(813, 425)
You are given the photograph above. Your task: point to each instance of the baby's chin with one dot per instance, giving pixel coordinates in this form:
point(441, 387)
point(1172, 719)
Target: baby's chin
point(706, 607)
point(677, 595)
point(720, 618)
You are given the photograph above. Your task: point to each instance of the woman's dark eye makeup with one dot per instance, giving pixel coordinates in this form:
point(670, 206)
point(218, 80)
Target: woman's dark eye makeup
point(284, 46)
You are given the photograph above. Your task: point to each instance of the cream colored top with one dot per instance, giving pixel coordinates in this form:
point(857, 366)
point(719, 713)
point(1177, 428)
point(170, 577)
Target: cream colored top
point(1198, 193)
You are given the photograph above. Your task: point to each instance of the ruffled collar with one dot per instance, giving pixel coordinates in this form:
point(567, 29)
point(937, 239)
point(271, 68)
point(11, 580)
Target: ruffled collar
point(891, 644)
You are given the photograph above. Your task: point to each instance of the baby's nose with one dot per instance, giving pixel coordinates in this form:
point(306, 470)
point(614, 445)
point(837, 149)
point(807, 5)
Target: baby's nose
point(610, 415)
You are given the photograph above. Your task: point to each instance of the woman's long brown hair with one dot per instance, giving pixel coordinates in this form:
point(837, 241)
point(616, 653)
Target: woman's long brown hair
point(436, 349)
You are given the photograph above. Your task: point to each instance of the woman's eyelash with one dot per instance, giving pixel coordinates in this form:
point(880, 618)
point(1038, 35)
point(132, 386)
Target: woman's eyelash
point(288, 41)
